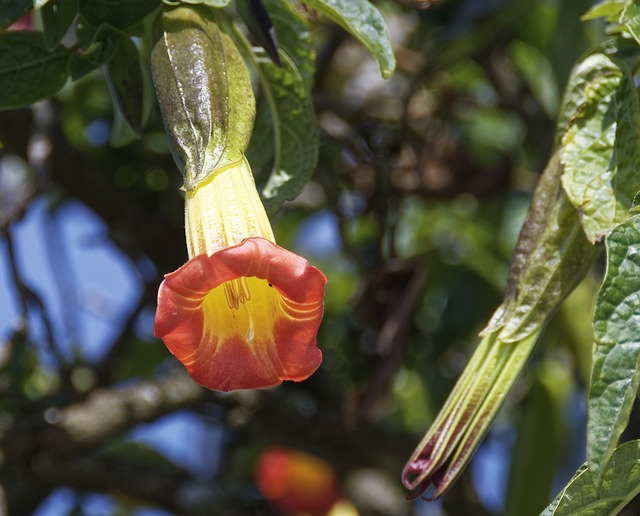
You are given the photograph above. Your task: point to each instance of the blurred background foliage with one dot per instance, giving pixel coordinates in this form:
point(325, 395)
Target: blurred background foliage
point(422, 184)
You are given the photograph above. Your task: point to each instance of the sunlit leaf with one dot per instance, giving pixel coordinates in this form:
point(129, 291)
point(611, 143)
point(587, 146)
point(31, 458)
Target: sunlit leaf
point(630, 18)
point(600, 146)
point(616, 373)
point(620, 484)
point(608, 9)
point(362, 20)
point(57, 16)
point(24, 62)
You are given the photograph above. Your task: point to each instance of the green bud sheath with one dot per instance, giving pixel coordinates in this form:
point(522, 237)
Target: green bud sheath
point(551, 258)
point(204, 92)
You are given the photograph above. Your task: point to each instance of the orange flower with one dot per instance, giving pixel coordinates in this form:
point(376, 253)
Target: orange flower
point(243, 312)
point(295, 482)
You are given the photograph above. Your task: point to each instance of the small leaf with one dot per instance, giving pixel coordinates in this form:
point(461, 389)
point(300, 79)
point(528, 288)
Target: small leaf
point(118, 13)
point(12, 10)
point(295, 130)
point(608, 9)
point(363, 21)
point(57, 16)
point(620, 484)
point(600, 146)
point(204, 92)
point(124, 77)
point(24, 62)
point(616, 373)
point(100, 45)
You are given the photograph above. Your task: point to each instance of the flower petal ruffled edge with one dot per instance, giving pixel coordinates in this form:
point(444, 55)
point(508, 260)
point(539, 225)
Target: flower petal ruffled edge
point(180, 319)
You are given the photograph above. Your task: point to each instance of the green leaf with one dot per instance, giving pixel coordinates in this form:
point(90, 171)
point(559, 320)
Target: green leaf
point(124, 77)
point(363, 21)
point(295, 132)
point(630, 18)
point(600, 146)
point(608, 9)
point(24, 62)
point(538, 74)
point(583, 495)
point(295, 40)
point(204, 92)
point(57, 16)
point(12, 10)
point(616, 373)
point(118, 13)
point(293, 33)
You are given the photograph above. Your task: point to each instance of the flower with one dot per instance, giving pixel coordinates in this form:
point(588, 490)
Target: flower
point(295, 482)
point(243, 312)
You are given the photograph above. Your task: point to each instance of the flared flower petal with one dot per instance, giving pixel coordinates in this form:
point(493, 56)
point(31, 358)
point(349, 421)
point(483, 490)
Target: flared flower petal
point(245, 317)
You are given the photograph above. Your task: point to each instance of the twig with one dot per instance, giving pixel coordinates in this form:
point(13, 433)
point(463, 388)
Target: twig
point(27, 296)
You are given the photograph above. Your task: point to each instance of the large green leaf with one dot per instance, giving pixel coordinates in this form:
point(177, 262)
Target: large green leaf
point(28, 70)
point(362, 20)
point(296, 41)
point(119, 13)
point(600, 146)
point(295, 131)
point(204, 92)
point(615, 377)
point(57, 16)
point(583, 495)
point(11, 10)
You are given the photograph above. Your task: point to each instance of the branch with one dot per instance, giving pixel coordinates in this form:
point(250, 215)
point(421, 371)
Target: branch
point(108, 412)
